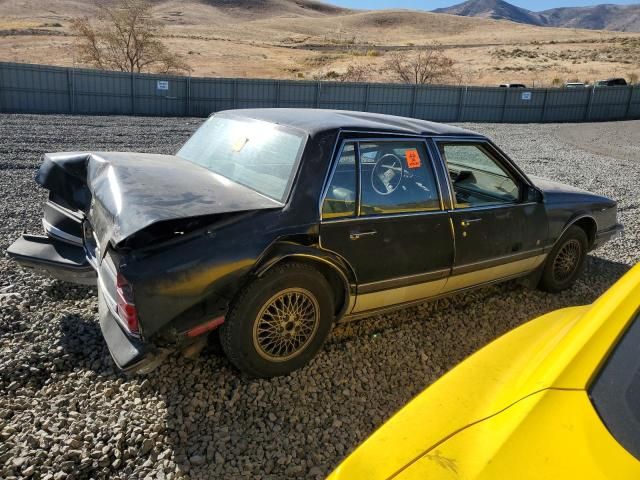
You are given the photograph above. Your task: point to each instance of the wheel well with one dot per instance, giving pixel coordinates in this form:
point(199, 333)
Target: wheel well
point(335, 280)
point(589, 226)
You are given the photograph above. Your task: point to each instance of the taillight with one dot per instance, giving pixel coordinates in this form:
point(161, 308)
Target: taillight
point(126, 308)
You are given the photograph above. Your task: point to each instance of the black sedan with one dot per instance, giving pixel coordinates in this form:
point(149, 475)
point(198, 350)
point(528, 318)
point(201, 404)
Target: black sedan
point(271, 225)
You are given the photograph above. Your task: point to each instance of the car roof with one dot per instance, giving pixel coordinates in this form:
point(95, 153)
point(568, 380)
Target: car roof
point(315, 121)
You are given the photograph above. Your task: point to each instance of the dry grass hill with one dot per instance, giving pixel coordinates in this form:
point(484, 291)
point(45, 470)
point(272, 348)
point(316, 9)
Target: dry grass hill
point(308, 39)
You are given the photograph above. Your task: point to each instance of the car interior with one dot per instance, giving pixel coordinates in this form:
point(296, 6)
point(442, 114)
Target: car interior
point(477, 179)
point(388, 185)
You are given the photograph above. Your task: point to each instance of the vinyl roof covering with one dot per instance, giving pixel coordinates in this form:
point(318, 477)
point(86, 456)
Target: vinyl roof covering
point(315, 121)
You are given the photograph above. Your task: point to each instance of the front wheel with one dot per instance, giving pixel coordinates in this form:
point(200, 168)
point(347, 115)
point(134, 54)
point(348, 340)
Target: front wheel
point(565, 261)
point(279, 321)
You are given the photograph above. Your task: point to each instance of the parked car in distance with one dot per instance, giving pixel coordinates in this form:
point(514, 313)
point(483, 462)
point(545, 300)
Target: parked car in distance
point(555, 398)
point(575, 85)
point(273, 224)
point(513, 85)
point(611, 82)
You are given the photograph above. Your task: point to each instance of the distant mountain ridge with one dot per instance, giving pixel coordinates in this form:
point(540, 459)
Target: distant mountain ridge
point(623, 18)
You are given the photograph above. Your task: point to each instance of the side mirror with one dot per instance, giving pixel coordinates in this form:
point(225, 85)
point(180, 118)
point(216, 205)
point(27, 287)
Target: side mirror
point(532, 194)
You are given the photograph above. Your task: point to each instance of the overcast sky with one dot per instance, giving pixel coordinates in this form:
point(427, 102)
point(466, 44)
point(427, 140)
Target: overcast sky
point(535, 5)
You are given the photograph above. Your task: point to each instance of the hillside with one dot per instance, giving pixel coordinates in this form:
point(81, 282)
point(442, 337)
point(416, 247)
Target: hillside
point(305, 39)
point(495, 9)
point(623, 18)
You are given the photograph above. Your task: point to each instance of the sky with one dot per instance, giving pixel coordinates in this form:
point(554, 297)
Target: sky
point(534, 5)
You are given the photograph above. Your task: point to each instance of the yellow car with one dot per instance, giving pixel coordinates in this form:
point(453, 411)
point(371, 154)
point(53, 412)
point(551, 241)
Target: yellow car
point(557, 398)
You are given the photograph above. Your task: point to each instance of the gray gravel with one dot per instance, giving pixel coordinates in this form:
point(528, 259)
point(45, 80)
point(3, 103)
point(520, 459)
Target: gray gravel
point(65, 412)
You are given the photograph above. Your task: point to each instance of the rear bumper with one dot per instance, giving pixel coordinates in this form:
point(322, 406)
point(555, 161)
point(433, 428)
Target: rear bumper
point(53, 257)
point(604, 236)
point(68, 262)
point(130, 354)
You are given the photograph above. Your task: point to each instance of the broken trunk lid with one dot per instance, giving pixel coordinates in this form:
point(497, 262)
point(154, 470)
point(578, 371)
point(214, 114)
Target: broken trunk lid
point(132, 191)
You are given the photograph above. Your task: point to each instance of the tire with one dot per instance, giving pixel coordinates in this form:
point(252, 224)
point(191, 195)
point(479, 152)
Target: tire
point(279, 321)
point(565, 261)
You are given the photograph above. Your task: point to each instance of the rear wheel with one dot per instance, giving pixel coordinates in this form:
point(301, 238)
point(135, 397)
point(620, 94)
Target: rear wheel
point(565, 261)
point(279, 321)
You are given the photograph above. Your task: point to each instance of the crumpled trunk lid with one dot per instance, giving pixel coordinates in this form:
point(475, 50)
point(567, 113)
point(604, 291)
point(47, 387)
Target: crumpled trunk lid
point(123, 193)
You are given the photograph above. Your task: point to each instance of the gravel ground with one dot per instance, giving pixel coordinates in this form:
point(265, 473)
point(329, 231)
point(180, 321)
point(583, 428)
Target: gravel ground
point(65, 412)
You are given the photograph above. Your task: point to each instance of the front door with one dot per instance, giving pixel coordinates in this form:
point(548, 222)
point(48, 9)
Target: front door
point(499, 232)
point(382, 213)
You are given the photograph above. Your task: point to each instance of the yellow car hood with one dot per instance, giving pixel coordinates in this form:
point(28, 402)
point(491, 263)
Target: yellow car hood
point(552, 434)
point(560, 350)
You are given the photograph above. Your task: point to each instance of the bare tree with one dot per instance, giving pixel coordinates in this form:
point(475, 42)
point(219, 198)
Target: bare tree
point(428, 65)
point(125, 39)
point(356, 73)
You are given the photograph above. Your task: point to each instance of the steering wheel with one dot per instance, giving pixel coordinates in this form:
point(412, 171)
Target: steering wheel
point(387, 174)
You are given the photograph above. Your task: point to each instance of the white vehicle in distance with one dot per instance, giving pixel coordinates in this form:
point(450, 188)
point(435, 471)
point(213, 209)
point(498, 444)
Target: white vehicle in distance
point(575, 85)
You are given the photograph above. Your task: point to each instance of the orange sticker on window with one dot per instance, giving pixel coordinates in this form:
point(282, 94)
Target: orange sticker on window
point(413, 159)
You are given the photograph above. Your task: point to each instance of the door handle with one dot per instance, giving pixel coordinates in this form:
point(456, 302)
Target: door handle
point(366, 233)
point(468, 221)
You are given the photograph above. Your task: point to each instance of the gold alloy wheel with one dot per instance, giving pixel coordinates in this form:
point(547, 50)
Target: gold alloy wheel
point(567, 259)
point(286, 324)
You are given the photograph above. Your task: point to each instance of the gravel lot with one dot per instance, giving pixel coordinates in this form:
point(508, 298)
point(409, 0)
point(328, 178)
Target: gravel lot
point(65, 412)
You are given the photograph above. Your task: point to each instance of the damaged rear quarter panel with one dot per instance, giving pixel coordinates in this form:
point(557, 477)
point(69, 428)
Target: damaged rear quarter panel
point(212, 264)
point(209, 265)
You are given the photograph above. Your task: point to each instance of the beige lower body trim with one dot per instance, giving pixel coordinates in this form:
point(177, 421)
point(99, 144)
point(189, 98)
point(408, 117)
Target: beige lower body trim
point(385, 298)
point(478, 277)
point(370, 301)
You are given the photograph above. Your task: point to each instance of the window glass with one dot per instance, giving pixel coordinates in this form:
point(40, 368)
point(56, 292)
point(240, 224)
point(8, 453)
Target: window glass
point(340, 200)
point(478, 179)
point(258, 155)
point(615, 392)
point(396, 177)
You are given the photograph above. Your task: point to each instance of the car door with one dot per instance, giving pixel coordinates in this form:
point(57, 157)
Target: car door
point(382, 212)
point(499, 220)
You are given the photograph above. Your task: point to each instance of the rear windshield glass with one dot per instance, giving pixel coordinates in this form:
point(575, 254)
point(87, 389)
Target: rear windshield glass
point(256, 154)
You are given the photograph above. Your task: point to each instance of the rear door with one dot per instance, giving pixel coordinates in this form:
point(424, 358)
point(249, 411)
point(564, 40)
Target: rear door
point(499, 229)
point(382, 211)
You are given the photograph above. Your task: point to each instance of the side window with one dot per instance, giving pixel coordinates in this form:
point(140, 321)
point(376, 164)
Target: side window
point(478, 179)
point(396, 177)
point(340, 200)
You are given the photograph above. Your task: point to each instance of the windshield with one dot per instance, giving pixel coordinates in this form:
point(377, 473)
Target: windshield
point(615, 393)
point(256, 154)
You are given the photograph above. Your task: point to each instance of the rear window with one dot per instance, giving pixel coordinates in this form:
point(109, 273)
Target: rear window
point(615, 393)
point(259, 155)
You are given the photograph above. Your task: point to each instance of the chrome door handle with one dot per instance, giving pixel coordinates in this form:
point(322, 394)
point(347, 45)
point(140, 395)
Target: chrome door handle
point(469, 221)
point(366, 233)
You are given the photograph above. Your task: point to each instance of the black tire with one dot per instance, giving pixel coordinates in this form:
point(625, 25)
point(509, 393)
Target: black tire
point(259, 346)
point(565, 261)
